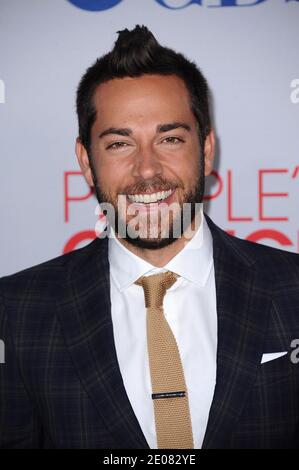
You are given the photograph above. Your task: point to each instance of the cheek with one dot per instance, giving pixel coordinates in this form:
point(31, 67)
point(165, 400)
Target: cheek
point(187, 169)
point(112, 176)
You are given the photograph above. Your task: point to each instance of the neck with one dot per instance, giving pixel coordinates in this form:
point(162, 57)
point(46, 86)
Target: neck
point(160, 257)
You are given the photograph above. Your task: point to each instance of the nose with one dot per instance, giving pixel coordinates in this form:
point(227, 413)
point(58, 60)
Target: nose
point(147, 163)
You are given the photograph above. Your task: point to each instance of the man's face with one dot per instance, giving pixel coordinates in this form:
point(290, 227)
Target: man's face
point(145, 141)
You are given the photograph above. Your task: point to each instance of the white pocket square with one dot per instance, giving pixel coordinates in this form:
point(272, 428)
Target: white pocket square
point(271, 356)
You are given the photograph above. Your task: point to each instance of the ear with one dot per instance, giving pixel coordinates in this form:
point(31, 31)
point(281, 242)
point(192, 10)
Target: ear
point(83, 161)
point(209, 152)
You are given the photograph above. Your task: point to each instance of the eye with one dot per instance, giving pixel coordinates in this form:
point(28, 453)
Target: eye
point(172, 140)
point(116, 145)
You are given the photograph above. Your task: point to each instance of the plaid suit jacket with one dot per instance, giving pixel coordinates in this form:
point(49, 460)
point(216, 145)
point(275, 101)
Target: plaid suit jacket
point(61, 387)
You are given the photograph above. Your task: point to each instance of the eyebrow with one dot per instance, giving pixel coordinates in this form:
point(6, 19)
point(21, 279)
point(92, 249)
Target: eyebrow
point(113, 130)
point(173, 125)
point(125, 131)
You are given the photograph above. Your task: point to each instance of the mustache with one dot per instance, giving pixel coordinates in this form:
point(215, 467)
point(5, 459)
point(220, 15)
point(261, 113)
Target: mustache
point(149, 186)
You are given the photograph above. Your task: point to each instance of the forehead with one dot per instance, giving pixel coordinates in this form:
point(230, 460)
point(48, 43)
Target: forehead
point(154, 97)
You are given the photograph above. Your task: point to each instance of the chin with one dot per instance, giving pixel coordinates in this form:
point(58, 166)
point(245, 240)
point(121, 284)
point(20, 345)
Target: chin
point(151, 243)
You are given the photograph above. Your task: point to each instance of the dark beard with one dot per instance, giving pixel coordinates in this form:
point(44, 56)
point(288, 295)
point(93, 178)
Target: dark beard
point(178, 225)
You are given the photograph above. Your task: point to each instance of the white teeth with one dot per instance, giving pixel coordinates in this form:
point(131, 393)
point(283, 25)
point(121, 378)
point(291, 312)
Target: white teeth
point(148, 198)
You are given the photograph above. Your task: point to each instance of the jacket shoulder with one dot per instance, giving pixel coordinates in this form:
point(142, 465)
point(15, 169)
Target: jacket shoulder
point(276, 264)
point(45, 278)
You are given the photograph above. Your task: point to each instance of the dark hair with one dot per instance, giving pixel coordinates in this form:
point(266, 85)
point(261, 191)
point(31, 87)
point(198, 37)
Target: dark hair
point(136, 53)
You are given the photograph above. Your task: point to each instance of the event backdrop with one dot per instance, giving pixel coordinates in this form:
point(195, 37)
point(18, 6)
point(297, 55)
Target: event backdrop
point(247, 49)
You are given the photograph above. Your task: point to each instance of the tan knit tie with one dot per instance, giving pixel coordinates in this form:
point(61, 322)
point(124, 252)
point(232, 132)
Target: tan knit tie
point(169, 391)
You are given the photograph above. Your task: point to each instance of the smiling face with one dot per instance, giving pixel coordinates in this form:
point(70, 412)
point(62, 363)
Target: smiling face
point(145, 145)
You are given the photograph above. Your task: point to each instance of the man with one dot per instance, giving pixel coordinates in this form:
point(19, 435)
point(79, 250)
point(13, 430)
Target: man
point(162, 338)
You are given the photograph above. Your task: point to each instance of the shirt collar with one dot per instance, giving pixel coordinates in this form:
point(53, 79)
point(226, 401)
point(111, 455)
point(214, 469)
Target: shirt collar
point(193, 262)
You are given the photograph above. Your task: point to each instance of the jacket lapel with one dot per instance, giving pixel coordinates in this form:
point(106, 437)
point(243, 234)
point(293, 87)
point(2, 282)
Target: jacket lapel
point(85, 315)
point(243, 305)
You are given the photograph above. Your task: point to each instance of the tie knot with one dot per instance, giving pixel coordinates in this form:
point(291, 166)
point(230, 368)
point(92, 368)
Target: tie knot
point(155, 287)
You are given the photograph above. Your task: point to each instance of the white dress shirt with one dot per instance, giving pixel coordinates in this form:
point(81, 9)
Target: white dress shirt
point(190, 309)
